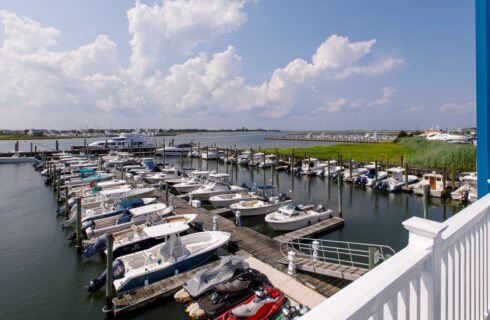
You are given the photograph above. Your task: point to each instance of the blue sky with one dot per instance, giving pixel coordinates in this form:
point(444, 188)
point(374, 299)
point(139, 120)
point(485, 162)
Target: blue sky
point(307, 65)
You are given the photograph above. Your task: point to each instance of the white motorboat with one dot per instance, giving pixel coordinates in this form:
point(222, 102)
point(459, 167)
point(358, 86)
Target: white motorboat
point(177, 254)
point(435, 183)
point(312, 166)
point(211, 154)
point(175, 151)
point(87, 190)
point(468, 190)
point(266, 203)
point(85, 180)
point(352, 174)
point(256, 158)
point(225, 200)
point(150, 214)
point(217, 183)
point(16, 158)
point(396, 180)
point(244, 158)
point(371, 177)
point(123, 141)
point(164, 175)
point(450, 138)
point(137, 238)
point(113, 208)
point(290, 217)
point(270, 160)
point(195, 180)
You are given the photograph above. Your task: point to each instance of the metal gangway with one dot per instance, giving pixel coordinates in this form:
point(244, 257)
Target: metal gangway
point(339, 259)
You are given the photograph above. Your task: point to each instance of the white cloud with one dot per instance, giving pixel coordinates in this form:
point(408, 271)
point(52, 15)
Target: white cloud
point(458, 107)
point(385, 99)
point(176, 27)
point(91, 78)
point(414, 109)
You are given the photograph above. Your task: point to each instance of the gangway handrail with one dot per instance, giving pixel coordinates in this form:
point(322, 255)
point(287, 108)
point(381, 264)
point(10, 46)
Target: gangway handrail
point(343, 253)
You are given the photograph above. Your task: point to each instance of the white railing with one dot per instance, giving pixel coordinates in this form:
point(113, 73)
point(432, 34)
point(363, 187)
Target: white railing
point(441, 274)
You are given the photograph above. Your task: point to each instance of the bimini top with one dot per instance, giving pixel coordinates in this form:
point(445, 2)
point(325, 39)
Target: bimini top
point(396, 170)
point(165, 229)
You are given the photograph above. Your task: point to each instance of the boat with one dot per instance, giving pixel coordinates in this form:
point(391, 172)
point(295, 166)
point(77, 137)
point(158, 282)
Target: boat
point(164, 175)
point(90, 190)
point(109, 209)
point(267, 203)
point(227, 199)
point(290, 217)
point(123, 141)
point(108, 223)
point(176, 151)
point(450, 138)
point(434, 182)
point(256, 158)
point(371, 177)
point(211, 154)
point(244, 158)
point(468, 190)
point(204, 281)
point(312, 166)
point(352, 174)
point(195, 180)
point(137, 238)
point(228, 294)
point(176, 254)
point(109, 196)
point(269, 161)
point(395, 180)
point(85, 180)
point(261, 306)
point(217, 183)
point(17, 158)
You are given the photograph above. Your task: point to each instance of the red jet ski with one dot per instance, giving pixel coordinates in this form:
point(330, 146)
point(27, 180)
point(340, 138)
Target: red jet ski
point(260, 306)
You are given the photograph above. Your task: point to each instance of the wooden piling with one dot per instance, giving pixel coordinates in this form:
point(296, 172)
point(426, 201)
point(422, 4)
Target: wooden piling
point(339, 194)
point(375, 170)
point(67, 206)
point(406, 174)
point(78, 244)
point(109, 276)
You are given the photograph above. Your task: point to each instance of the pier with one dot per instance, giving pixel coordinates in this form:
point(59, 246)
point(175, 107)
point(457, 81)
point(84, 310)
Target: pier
point(352, 138)
point(320, 227)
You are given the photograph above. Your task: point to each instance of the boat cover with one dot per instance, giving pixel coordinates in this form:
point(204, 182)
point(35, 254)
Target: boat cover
point(206, 279)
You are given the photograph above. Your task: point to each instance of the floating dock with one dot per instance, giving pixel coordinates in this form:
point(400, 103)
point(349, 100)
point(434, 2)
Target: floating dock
point(322, 226)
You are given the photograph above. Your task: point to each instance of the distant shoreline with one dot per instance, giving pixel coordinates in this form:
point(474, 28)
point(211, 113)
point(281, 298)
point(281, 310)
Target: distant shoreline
point(29, 137)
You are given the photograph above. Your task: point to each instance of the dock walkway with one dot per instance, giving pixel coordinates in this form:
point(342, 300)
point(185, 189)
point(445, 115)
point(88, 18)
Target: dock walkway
point(259, 246)
point(322, 226)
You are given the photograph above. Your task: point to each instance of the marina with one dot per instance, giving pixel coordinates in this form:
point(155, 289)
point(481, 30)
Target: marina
point(256, 239)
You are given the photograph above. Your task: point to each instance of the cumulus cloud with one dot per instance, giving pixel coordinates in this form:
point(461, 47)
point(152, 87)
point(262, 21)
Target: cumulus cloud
point(172, 28)
point(385, 99)
point(90, 77)
point(458, 107)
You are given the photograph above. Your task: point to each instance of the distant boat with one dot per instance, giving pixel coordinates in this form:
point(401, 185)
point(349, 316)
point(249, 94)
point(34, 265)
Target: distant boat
point(16, 158)
point(217, 183)
point(175, 151)
point(123, 141)
point(468, 190)
point(434, 181)
point(450, 138)
point(395, 180)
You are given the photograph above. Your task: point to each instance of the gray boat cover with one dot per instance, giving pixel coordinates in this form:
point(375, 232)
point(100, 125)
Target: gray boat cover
point(206, 279)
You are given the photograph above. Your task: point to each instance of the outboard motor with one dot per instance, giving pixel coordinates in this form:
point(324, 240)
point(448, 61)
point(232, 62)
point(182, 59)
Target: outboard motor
point(297, 170)
point(117, 272)
point(99, 245)
point(357, 180)
point(244, 185)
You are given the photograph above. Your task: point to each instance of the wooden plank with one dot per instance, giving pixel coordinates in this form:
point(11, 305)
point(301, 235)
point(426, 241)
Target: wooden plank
point(322, 226)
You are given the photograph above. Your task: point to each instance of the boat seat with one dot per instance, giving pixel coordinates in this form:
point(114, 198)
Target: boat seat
point(233, 286)
point(250, 309)
point(194, 247)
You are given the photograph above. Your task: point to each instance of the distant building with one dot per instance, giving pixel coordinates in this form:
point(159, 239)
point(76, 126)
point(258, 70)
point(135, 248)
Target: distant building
point(36, 132)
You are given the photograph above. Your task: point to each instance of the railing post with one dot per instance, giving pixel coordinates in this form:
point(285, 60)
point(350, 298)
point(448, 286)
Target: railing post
point(315, 245)
point(292, 264)
point(215, 223)
point(426, 234)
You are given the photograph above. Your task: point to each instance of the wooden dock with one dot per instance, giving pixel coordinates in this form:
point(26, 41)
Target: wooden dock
point(327, 268)
point(155, 291)
point(221, 211)
point(261, 247)
point(322, 226)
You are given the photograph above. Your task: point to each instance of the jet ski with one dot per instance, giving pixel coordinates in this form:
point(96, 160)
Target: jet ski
point(226, 295)
point(229, 267)
point(260, 306)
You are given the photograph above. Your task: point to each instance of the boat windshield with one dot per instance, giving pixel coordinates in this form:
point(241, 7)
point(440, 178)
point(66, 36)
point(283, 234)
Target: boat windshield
point(287, 209)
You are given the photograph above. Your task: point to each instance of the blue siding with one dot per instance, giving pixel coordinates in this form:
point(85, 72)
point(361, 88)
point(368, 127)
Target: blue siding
point(482, 92)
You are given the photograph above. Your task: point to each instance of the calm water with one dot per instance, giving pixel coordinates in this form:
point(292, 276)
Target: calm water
point(42, 275)
point(224, 140)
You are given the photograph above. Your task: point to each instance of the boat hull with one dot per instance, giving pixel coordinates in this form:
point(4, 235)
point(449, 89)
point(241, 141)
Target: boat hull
point(249, 212)
point(298, 224)
point(158, 275)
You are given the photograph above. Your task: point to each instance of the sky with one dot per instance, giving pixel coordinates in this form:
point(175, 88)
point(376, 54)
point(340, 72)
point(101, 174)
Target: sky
point(273, 64)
